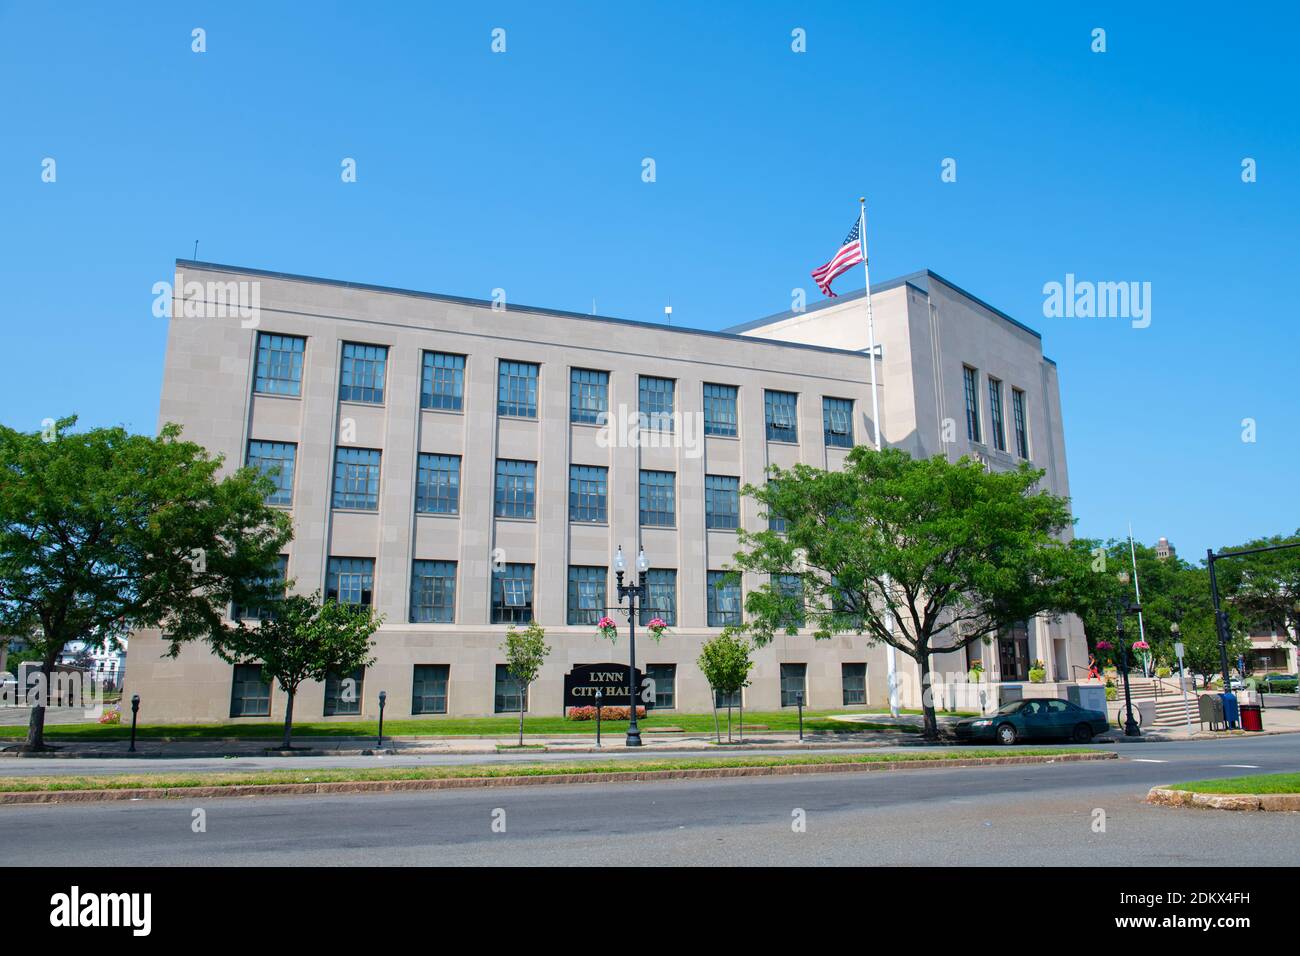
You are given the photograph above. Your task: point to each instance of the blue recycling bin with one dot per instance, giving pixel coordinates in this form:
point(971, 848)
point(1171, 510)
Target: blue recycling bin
point(1231, 716)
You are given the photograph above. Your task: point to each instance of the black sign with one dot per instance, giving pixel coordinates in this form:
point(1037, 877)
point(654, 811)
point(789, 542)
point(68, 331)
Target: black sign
point(581, 684)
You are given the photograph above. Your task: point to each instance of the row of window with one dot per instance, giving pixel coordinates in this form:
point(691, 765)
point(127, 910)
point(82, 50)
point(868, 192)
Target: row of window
point(250, 694)
point(997, 416)
point(442, 386)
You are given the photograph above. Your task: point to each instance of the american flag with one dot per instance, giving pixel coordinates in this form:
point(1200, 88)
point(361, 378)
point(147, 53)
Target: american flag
point(850, 255)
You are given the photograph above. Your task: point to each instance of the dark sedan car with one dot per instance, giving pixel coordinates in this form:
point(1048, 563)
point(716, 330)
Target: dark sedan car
point(1039, 719)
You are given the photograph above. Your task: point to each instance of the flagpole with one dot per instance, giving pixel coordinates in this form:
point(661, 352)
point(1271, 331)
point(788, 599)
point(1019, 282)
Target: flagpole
point(891, 655)
point(1137, 588)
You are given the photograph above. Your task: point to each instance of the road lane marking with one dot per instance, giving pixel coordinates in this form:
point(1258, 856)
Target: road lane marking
point(1148, 760)
point(1241, 766)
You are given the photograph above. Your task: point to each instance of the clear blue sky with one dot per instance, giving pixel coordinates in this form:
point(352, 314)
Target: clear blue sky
point(522, 171)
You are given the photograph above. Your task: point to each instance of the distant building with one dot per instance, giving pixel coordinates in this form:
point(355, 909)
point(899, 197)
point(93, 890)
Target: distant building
point(1164, 549)
point(107, 667)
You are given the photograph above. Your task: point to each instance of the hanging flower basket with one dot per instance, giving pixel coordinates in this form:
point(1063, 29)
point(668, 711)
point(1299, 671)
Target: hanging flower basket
point(657, 626)
point(1141, 646)
point(1104, 645)
point(607, 629)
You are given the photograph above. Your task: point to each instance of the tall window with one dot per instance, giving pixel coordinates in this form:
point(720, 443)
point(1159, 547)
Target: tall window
point(1022, 431)
point(661, 596)
point(853, 682)
point(791, 586)
point(724, 598)
point(343, 692)
point(437, 485)
point(794, 684)
point(511, 696)
point(351, 580)
point(656, 402)
point(586, 595)
point(257, 613)
point(250, 693)
point(433, 592)
point(780, 411)
point(588, 493)
point(517, 389)
point(774, 521)
point(720, 410)
point(721, 502)
point(442, 382)
point(429, 689)
point(995, 414)
point(516, 490)
point(362, 377)
point(971, 379)
point(837, 422)
point(275, 459)
point(279, 364)
point(658, 498)
point(665, 680)
point(588, 396)
point(512, 594)
point(356, 478)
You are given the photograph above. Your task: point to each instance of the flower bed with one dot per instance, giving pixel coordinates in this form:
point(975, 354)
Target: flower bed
point(606, 713)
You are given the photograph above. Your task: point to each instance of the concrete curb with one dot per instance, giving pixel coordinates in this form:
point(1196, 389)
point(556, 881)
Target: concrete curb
point(458, 783)
point(1166, 796)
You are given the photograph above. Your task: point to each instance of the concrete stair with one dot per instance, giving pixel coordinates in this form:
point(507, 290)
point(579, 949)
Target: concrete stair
point(1167, 696)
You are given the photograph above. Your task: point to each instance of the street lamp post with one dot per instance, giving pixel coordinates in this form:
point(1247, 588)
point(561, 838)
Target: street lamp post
point(633, 593)
point(1122, 608)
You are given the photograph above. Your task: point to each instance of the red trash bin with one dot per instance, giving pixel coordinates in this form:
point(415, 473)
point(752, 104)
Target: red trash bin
point(1252, 717)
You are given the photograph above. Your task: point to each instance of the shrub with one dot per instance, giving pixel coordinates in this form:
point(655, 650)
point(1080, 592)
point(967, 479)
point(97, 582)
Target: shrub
point(1111, 692)
point(1163, 671)
point(606, 713)
point(111, 717)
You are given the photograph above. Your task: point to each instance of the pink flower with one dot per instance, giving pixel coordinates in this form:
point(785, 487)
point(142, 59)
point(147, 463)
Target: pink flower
point(1104, 645)
point(1141, 646)
point(605, 623)
point(657, 624)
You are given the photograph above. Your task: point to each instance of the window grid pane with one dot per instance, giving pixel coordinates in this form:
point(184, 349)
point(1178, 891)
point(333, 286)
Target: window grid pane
point(512, 594)
point(280, 575)
point(356, 478)
point(442, 384)
point(721, 502)
point(433, 592)
point(250, 695)
point(516, 488)
point(853, 680)
point(362, 377)
point(656, 402)
point(351, 580)
point(437, 485)
point(665, 679)
point(995, 414)
point(586, 595)
point(588, 396)
point(661, 596)
point(971, 379)
point(275, 459)
point(343, 692)
point(720, 410)
point(792, 684)
point(1022, 434)
point(724, 599)
point(837, 422)
point(279, 364)
point(774, 521)
point(658, 499)
point(511, 697)
point(588, 493)
point(429, 689)
point(791, 585)
point(780, 410)
point(517, 389)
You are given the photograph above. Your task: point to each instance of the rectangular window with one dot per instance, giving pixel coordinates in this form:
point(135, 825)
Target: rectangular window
point(279, 364)
point(724, 598)
point(516, 489)
point(356, 478)
point(665, 681)
point(586, 595)
point(720, 410)
point(275, 460)
point(442, 381)
point(853, 682)
point(727, 700)
point(517, 389)
point(972, 379)
point(362, 377)
point(658, 499)
point(774, 521)
point(656, 402)
point(1022, 429)
point(351, 580)
point(511, 697)
point(588, 396)
point(661, 596)
point(721, 502)
point(250, 695)
point(343, 692)
point(588, 493)
point(433, 592)
point(791, 586)
point(280, 575)
point(437, 485)
point(793, 689)
point(995, 414)
point(837, 422)
point(429, 689)
point(512, 594)
point(780, 411)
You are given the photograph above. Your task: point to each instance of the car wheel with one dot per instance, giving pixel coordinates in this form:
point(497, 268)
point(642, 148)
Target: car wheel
point(1006, 734)
point(1082, 734)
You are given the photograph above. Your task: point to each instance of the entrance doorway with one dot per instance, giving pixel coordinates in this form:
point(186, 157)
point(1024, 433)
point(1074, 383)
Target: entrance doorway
point(1013, 653)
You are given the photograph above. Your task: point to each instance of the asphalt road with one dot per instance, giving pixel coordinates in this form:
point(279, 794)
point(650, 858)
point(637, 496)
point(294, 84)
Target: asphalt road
point(996, 815)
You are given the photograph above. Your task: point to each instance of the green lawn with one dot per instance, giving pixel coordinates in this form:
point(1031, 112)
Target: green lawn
point(1256, 783)
point(783, 720)
point(264, 777)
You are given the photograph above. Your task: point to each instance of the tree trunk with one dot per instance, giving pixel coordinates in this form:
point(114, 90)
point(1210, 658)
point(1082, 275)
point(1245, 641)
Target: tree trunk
point(36, 725)
point(288, 721)
point(922, 657)
point(742, 718)
point(728, 720)
point(523, 696)
point(717, 730)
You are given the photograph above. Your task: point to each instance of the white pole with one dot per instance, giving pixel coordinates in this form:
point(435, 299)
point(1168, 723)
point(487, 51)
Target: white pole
point(1137, 591)
point(891, 656)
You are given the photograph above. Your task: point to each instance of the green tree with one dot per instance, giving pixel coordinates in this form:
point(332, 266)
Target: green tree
point(303, 638)
point(103, 532)
point(725, 662)
point(526, 652)
point(947, 551)
point(1265, 587)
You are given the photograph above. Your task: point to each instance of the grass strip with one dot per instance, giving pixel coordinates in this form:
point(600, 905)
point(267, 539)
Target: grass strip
point(1255, 783)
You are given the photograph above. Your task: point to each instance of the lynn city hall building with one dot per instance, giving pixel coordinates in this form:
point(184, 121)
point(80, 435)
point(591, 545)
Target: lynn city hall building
point(445, 461)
